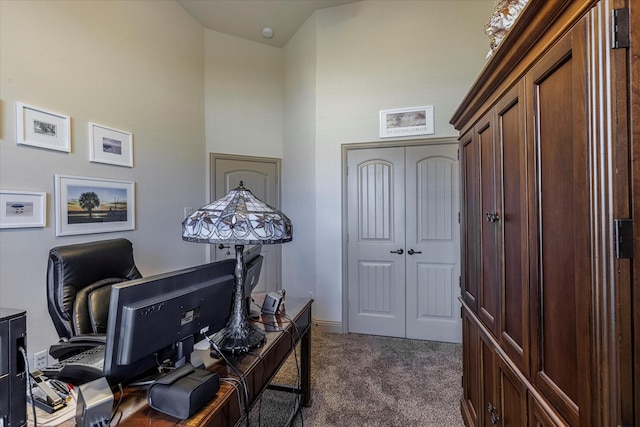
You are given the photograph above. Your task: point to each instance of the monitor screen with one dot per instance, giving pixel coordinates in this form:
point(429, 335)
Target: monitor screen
point(251, 253)
point(253, 274)
point(156, 320)
point(250, 282)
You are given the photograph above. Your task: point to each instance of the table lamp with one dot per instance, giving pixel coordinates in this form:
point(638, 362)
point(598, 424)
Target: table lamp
point(238, 218)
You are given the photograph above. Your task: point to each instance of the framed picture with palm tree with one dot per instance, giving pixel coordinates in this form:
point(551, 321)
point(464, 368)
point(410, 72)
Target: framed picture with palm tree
point(93, 205)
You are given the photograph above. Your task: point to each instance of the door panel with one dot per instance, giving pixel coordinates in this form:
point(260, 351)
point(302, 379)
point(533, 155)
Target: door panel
point(561, 273)
point(376, 230)
point(490, 279)
point(515, 251)
point(471, 372)
point(432, 233)
point(470, 218)
point(261, 177)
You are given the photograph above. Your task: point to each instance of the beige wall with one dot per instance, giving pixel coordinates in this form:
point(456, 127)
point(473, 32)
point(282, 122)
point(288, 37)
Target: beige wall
point(369, 56)
point(130, 65)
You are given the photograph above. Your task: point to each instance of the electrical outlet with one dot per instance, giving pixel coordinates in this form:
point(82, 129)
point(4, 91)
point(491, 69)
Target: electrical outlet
point(40, 359)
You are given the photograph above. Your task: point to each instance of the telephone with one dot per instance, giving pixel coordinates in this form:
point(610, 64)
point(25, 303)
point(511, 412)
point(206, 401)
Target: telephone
point(67, 347)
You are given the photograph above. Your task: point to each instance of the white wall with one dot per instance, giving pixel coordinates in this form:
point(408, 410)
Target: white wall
point(370, 56)
point(243, 96)
point(243, 100)
point(134, 66)
point(299, 161)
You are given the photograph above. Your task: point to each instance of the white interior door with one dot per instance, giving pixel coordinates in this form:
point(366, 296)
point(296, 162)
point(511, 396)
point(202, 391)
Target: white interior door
point(403, 242)
point(261, 177)
point(433, 243)
point(376, 241)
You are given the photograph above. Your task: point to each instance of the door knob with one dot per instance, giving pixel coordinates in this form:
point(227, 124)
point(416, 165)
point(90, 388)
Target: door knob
point(411, 252)
point(399, 251)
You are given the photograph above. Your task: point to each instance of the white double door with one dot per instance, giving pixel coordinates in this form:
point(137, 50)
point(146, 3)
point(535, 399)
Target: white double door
point(403, 242)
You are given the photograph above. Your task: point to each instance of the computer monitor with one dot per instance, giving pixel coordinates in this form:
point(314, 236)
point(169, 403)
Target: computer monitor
point(158, 319)
point(251, 281)
point(253, 264)
point(251, 253)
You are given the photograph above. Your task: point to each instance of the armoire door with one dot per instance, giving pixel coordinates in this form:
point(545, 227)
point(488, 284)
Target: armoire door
point(403, 244)
point(260, 176)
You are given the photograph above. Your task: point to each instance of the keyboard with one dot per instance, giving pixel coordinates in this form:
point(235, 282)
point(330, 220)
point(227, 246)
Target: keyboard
point(79, 368)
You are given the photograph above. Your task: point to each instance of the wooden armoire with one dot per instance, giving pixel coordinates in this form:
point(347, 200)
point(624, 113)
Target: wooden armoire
point(550, 175)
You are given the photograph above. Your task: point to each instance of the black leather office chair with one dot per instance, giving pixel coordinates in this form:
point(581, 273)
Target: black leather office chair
point(79, 279)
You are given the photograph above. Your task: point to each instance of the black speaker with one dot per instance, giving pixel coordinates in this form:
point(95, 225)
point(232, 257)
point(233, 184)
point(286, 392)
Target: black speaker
point(13, 374)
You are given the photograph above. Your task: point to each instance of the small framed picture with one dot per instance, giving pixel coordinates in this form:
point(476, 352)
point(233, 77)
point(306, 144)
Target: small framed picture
point(406, 122)
point(44, 129)
point(23, 209)
point(111, 146)
point(93, 205)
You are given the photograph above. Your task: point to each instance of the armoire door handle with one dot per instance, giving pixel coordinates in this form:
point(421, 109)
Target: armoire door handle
point(399, 251)
point(493, 216)
point(411, 252)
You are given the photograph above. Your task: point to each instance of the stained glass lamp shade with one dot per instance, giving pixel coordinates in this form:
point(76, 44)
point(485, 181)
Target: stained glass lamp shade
point(238, 218)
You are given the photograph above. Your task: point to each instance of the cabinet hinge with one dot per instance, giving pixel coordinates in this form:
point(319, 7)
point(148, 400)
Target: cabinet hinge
point(458, 154)
point(624, 238)
point(458, 217)
point(620, 28)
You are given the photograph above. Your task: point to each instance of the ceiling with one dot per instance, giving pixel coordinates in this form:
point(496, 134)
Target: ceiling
point(247, 18)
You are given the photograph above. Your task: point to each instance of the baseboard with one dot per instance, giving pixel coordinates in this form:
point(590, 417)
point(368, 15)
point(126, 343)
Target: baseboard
point(327, 326)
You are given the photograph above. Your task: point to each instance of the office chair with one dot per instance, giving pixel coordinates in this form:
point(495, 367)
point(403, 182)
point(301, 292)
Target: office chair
point(79, 279)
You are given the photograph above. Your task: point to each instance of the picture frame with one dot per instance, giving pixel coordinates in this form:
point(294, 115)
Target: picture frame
point(93, 205)
point(407, 122)
point(40, 128)
point(23, 209)
point(110, 146)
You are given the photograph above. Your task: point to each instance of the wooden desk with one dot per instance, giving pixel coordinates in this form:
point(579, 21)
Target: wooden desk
point(226, 410)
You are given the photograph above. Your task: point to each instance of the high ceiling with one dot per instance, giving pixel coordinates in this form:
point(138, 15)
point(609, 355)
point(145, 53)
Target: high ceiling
point(247, 18)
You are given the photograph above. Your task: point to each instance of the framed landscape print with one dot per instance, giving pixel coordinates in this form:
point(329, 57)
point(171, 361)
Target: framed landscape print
point(93, 205)
point(110, 146)
point(406, 122)
point(44, 129)
point(23, 209)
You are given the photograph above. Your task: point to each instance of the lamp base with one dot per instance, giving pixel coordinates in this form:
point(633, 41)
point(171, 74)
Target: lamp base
point(238, 340)
point(239, 335)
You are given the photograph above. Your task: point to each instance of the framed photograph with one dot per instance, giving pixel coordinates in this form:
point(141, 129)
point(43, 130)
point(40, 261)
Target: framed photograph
point(111, 146)
point(93, 205)
point(40, 128)
point(406, 122)
point(23, 209)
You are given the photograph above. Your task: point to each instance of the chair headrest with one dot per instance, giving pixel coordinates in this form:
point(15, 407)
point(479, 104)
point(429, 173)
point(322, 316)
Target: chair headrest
point(70, 268)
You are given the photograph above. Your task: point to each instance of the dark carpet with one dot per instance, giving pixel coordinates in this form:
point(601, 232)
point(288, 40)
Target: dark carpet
point(365, 380)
